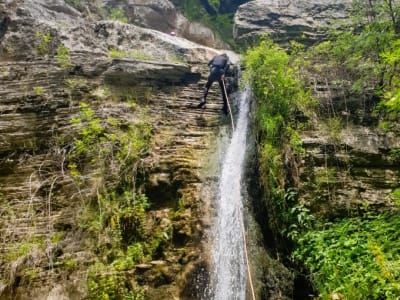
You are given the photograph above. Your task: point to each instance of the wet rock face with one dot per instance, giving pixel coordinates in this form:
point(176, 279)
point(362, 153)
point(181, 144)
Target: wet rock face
point(303, 21)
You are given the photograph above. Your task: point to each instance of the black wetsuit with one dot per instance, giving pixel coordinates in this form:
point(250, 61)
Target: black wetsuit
point(219, 66)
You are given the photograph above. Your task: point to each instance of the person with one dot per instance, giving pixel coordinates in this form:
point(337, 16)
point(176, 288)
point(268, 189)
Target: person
point(219, 66)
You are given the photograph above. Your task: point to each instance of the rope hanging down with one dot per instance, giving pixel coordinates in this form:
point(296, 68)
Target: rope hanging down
point(229, 107)
point(253, 296)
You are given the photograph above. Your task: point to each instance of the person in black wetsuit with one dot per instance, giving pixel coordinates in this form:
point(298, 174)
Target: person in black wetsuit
point(219, 66)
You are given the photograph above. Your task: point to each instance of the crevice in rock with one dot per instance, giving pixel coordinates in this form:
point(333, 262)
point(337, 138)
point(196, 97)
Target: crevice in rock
point(4, 23)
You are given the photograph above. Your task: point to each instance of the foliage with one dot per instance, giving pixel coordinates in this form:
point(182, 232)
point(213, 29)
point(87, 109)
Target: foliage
point(279, 95)
point(118, 14)
point(389, 107)
point(39, 90)
point(383, 13)
point(63, 57)
point(122, 224)
point(117, 217)
point(106, 283)
point(358, 258)
point(354, 258)
point(24, 249)
point(396, 196)
point(44, 39)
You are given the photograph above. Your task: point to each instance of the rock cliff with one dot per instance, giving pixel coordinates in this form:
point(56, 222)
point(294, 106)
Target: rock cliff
point(163, 16)
point(303, 21)
point(54, 57)
point(350, 166)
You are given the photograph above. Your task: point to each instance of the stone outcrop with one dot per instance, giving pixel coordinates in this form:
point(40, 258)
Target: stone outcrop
point(303, 21)
point(350, 163)
point(40, 93)
point(162, 15)
point(350, 173)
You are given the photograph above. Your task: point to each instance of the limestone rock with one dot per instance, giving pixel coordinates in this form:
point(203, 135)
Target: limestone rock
point(303, 21)
point(38, 99)
point(125, 72)
point(351, 173)
point(162, 16)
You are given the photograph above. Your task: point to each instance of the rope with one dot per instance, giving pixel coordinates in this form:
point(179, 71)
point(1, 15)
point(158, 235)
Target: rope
point(253, 295)
point(227, 100)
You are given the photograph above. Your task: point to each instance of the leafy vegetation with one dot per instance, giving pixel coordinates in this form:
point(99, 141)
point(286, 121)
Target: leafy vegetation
point(118, 14)
point(279, 95)
point(42, 48)
point(357, 258)
point(39, 90)
point(63, 57)
point(116, 217)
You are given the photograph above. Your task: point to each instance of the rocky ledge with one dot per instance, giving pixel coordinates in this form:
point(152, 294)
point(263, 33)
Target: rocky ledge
point(303, 21)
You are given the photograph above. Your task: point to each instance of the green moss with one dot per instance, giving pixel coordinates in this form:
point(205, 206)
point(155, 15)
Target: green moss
point(115, 53)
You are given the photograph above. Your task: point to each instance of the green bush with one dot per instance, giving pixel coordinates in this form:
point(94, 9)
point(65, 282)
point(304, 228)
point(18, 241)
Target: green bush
point(44, 39)
point(358, 258)
point(118, 14)
point(63, 57)
point(106, 283)
point(278, 94)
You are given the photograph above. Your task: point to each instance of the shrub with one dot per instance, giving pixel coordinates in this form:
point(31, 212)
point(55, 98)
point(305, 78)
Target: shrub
point(43, 43)
point(358, 257)
point(117, 14)
point(278, 96)
point(63, 57)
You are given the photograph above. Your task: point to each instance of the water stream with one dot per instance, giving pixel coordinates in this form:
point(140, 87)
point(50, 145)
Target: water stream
point(228, 256)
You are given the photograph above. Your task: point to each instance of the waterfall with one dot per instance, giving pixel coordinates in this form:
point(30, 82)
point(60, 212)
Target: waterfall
point(228, 256)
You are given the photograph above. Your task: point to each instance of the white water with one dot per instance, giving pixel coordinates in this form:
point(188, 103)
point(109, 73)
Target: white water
point(228, 256)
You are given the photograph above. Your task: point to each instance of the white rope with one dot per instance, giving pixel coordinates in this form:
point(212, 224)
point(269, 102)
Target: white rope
point(241, 217)
point(229, 107)
point(247, 260)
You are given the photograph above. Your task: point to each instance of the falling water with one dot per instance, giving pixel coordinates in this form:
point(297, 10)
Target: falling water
point(228, 248)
